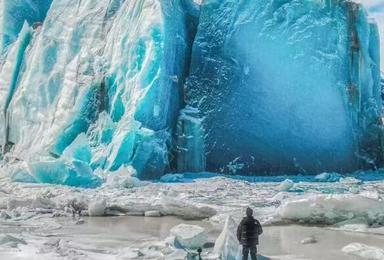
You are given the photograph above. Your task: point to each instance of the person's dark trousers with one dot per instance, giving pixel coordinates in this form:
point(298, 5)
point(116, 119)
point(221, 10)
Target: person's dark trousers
point(249, 249)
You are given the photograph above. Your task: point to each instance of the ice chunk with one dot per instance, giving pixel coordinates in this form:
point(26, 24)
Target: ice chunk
point(286, 185)
point(331, 209)
point(123, 178)
point(41, 202)
point(152, 213)
point(172, 178)
point(226, 245)
point(350, 180)
point(4, 215)
point(11, 241)
point(189, 236)
point(18, 203)
point(80, 221)
point(38, 202)
point(276, 95)
point(328, 177)
point(309, 240)
point(79, 149)
point(151, 154)
point(55, 171)
point(97, 207)
point(75, 173)
point(364, 251)
point(185, 210)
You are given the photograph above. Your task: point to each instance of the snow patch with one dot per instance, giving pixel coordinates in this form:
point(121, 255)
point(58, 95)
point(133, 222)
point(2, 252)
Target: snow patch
point(364, 251)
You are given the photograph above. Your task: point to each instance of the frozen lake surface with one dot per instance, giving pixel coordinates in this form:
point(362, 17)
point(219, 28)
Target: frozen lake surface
point(110, 237)
point(328, 217)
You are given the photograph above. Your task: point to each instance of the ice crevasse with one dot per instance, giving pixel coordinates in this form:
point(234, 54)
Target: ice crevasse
point(247, 87)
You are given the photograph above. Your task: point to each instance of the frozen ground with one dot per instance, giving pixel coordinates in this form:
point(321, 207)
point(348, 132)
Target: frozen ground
point(303, 218)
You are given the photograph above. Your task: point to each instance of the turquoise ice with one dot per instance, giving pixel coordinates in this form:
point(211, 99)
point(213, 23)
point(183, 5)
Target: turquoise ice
point(287, 86)
point(109, 71)
point(245, 87)
point(14, 13)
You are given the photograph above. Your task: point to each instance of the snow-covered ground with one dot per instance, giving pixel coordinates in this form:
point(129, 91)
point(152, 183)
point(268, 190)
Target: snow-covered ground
point(300, 217)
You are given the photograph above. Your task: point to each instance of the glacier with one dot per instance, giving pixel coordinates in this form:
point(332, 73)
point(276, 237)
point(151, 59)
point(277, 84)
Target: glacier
point(13, 15)
point(287, 86)
point(238, 87)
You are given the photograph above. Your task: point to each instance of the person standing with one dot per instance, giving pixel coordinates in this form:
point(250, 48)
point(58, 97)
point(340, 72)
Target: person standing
point(248, 234)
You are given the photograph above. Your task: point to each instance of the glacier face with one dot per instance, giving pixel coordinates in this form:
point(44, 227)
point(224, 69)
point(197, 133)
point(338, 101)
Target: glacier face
point(286, 86)
point(110, 69)
point(13, 14)
point(165, 85)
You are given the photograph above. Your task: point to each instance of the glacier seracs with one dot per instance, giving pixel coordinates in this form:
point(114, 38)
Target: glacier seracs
point(13, 15)
point(112, 70)
point(171, 85)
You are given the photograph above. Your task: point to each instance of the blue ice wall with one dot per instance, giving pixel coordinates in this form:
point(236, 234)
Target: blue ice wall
point(13, 14)
point(286, 86)
point(364, 84)
point(110, 70)
point(144, 82)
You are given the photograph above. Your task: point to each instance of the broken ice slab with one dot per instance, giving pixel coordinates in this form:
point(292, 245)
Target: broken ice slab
point(79, 149)
point(56, 171)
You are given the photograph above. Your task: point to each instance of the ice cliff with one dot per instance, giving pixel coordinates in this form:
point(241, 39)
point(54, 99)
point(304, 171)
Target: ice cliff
point(286, 86)
point(235, 86)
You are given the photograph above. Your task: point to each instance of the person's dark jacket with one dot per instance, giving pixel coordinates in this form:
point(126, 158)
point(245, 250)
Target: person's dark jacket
point(248, 231)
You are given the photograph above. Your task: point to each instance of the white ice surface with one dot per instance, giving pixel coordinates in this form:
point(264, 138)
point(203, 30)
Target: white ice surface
point(345, 205)
point(97, 207)
point(226, 244)
point(189, 236)
point(364, 251)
